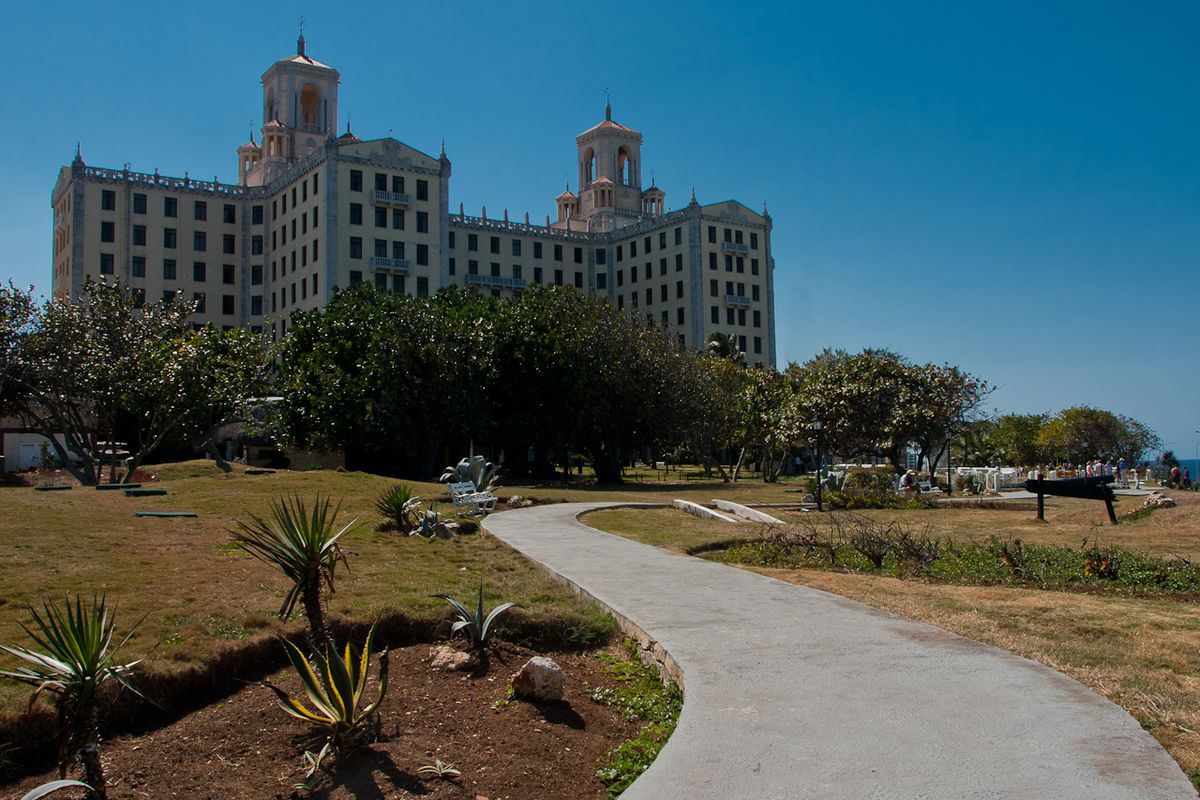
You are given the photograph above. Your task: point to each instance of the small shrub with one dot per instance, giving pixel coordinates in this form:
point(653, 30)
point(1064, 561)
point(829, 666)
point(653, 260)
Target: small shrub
point(477, 626)
point(1105, 564)
point(398, 506)
point(869, 481)
point(440, 770)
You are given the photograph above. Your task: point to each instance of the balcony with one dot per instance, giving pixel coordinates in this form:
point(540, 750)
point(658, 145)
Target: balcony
point(496, 282)
point(393, 264)
point(381, 198)
point(734, 247)
point(738, 300)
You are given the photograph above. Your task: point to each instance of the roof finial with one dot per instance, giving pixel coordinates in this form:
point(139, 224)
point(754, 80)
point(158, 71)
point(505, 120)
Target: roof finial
point(568, 181)
point(651, 178)
point(347, 122)
point(607, 105)
point(443, 148)
point(765, 208)
point(693, 193)
point(300, 39)
point(251, 131)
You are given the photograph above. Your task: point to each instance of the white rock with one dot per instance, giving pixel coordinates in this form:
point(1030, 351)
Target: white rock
point(446, 658)
point(539, 679)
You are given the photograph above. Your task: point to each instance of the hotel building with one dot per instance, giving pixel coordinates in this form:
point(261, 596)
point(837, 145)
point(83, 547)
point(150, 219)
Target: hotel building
point(311, 210)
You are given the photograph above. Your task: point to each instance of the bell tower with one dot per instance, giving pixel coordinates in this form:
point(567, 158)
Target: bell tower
point(610, 174)
point(299, 103)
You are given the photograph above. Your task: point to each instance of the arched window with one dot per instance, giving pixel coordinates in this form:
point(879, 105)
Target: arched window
point(589, 166)
point(625, 167)
point(310, 105)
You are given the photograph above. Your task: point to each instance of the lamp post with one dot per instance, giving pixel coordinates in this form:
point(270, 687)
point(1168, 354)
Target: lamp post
point(817, 425)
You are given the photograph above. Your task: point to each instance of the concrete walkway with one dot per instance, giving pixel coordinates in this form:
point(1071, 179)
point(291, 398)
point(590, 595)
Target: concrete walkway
point(794, 693)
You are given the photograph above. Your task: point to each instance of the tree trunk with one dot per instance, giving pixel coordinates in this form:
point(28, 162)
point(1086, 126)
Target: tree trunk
point(737, 468)
point(89, 751)
point(318, 630)
point(607, 464)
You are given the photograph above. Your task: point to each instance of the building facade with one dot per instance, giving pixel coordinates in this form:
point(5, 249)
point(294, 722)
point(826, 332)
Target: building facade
point(311, 211)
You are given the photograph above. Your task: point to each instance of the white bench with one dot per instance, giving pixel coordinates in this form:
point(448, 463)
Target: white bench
point(465, 495)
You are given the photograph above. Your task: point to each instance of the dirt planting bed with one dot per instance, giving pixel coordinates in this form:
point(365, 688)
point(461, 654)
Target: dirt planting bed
point(245, 746)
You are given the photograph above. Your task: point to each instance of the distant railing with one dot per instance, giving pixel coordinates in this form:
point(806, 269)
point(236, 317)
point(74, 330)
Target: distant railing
point(739, 300)
point(734, 247)
point(395, 264)
point(496, 282)
point(390, 198)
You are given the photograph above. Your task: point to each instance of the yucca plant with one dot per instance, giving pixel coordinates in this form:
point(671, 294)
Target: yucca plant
point(334, 685)
point(399, 507)
point(303, 545)
point(475, 624)
point(76, 657)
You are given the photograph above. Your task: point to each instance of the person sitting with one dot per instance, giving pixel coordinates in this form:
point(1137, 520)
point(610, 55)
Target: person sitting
point(908, 483)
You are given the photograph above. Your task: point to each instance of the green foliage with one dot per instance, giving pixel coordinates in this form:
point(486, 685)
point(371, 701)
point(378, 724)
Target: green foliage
point(856, 502)
point(640, 694)
point(477, 626)
point(76, 656)
point(334, 686)
point(398, 506)
point(1083, 433)
point(53, 786)
point(476, 469)
point(440, 770)
point(303, 545)
point(869, 481)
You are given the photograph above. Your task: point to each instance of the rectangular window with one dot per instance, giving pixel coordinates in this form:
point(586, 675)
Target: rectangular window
point(679, 316)
point(662, 266)
point(256, 215)
point(422, 190)
point(757, 318)
point(678, 289)
point(106, 264)
point(649, 296)
point(355, 277)
point(621, 301)
point(646, 241)
point(139, 296)
point(381, 182)
point(256, 245)
point(314, 284)
point(741, 264)
point(108, 200)
point(516, 247)
point(381, 280)
point(633, 249)
point(741, 317)
point(601, 280)
point(356, 213)
point(758, 344)
point(398, 284)
point(422, 255)
point(422, 286)
point(139, 235)
point(453, 266)
point(665, 318)
point(397, 219)
point(170, 238)
point(201, 211)
point(303, 289)
point(754, 292)
point(304, 223)
point(168, 269)
point(633, 273)
point(729, 263)
point(229, 214)
point(199, 241)
point(397, 249)
point(422, 222)
point(381, 217)
point(139, 266)
point(199, 272)
point(381, 248)
point(256, 305)
point(620, 277)
point(662, 240)
point(256, 275)
point(293, 197)
point(537, 249)
point(712, 234)
point(227, 274)
point(558, 252)
point(754, 266)
point(472, 267)
point(494, 244)
point(283, 203)
point(226, 304)
point(713, 289)
point(649, 272)
point(578, 280)
point(356, 180)
point(730, 316)
point(558, 277)
point(495, 270)
point(517, 271)
point(398, 184)
point(578, 255)
point(737, 236)
point(679, 262)
point(662, 293)
point(742, 343)
point(451, 239)
point(537, 274)
point(712, 260)
point(108, 231)
point(728, 287)
point(139, 204)
point(472, 242)
point(620, 252)
point(716, 315)
point(753, 241)
point(727, 235)
point(679, 236)
point(229, 243)
point(355, 247)
point(198, 299)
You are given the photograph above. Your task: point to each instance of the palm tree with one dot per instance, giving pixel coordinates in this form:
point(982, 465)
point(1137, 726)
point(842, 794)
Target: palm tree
point(304, 547)
point(724, 345)
point(76, 657)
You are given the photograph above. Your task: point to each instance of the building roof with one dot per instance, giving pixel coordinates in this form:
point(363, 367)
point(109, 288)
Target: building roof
point(250, 145)
point(567, 195)
point(608, 124)
point(299, 59)
point(603, 179)
point(275, 123)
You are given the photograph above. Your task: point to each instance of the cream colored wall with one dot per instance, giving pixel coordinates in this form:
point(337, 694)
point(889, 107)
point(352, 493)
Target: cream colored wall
point(739, 324)
point(295, 247)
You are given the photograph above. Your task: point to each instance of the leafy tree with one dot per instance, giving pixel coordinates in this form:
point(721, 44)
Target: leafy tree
point(1014, 437)
point(710, 402)
point(770, 419)
point(724, 345)
point(16, 315)
point(1083, 433)
point(936, 402)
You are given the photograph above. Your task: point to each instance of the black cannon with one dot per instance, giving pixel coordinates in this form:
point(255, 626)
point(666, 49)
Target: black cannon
point(1096, 488)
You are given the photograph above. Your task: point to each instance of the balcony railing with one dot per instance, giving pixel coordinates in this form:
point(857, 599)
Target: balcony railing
point(734, 247)
point(739, 300)
point(389, 198)
point(394, 264)
point(496, 282)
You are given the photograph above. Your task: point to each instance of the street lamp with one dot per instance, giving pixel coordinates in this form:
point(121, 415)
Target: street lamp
point(817, 425)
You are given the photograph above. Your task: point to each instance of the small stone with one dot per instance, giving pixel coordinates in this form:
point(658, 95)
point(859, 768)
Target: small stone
point(539, 679)
point(808, 498)
point(447, 659)
point(516, 501)
point(442, 531)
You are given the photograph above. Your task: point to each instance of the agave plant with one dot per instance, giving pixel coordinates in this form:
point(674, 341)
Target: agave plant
point(440, 769)
point(399, 506)
point(303, 545)
point(427, 523)
point(77, 655)
point(45, 789)
point(334, 685)
point(476, 469)
point(477, 626)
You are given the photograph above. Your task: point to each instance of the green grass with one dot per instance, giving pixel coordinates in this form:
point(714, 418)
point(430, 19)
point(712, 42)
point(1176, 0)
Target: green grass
point(639, 694)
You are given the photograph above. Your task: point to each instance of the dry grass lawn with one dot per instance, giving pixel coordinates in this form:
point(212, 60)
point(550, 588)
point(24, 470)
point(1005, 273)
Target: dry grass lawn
point(1143, 654)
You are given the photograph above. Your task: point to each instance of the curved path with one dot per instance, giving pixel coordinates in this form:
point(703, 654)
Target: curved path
point(796, 693)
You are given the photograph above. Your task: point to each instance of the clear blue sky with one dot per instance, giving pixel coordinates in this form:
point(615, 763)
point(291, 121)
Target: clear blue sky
point(1013, 187)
